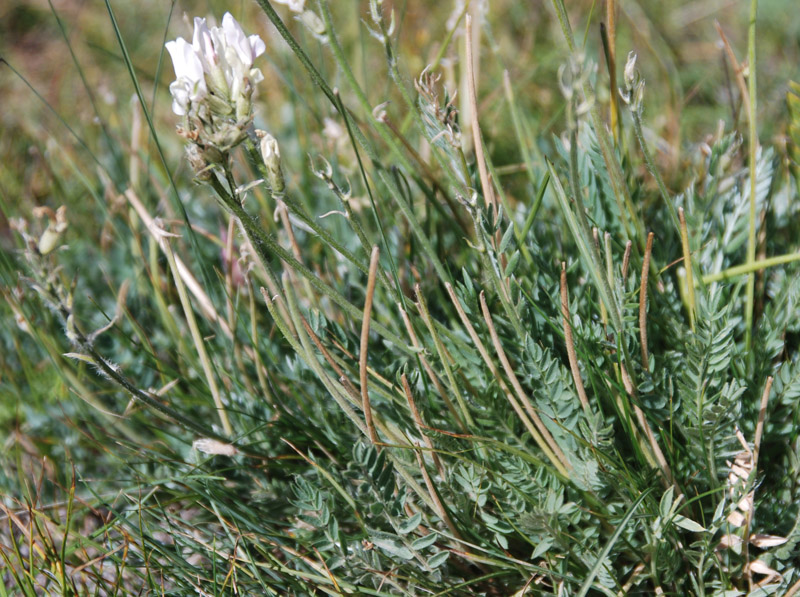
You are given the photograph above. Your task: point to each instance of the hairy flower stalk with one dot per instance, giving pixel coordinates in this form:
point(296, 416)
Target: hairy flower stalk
point(213, 88)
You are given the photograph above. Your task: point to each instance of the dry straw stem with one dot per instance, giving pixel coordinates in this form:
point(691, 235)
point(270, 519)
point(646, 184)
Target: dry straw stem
point(347, 498)
point(198, 340)
point(362, 361)
point(753, 141)
point(737, 68)
point(596, 239)
point(443, 357)
point(626, 261)
point(421, 425)
point(609, 257)
point(793, 590)
point(434, 497)
point(749, 98)
point(206, 306)
point(643, 300)
point(203, 300)
point(425, 365)
point(660, 460)
point(472, 96)
point(611, 30)
point(343, 379)
point(283, 213)
point(762, 415)
point(570, 342)
point(631, 580)
point(330, 575)
point(352, 392)
point(548, 439)
point(560, 467)
point(687, 262)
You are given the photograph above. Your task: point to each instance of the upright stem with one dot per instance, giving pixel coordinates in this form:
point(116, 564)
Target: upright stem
point(751, 233)
point(265, 246)
point(198, 340)
point(362, 360)
point(611, 29)
point(651, 166)
point(615, 175)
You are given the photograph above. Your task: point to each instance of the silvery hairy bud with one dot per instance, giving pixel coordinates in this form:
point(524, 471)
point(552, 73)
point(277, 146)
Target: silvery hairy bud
point(271, 154)
point(633, 94)
point(630, 70)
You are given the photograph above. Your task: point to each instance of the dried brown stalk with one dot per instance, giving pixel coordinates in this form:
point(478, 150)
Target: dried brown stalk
point(570, 342)
point(362, 361)
point(643, 300)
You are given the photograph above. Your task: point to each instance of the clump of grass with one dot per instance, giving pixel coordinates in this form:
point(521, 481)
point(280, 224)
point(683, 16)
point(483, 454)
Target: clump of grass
point(445, 354)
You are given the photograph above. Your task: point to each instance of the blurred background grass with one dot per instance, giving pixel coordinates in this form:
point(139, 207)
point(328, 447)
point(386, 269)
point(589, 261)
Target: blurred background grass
point(690, 84)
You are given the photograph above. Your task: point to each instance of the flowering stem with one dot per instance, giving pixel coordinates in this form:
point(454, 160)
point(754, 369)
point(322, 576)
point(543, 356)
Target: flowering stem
point(618, 184)
point(651, 166)
point(264, 246)
point(114, 374)
point(299, 211)
point(312, 71)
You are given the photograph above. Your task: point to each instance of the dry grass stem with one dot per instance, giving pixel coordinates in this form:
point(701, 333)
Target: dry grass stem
point(503, 387)
point(626, 260)
point(342, 376)
point(198, 340)
point(444, 358)
point(570, 342)
point(762, 415)
point(643, 301)
point(486, 184)
point(738, 70)
point(687, 262)
point(421, 425)
point(415, 343)
point(362, 361)
point(548, 439)
point(434, 496)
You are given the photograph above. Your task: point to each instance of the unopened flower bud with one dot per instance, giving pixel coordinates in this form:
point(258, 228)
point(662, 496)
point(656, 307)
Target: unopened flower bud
point(243, 101)
point(218, 105)
point(630, 70)
point(51, 237)
point(271, 154)
point(314, 24)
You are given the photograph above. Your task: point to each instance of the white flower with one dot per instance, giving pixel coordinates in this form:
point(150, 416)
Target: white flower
point(219, 60)
point(189, 85)
point(247, 48)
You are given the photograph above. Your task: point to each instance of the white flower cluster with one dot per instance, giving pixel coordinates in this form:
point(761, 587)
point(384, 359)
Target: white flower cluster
point(215, 70)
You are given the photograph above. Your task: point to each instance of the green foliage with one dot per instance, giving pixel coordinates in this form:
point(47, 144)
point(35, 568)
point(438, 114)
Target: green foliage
point(214, 385)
